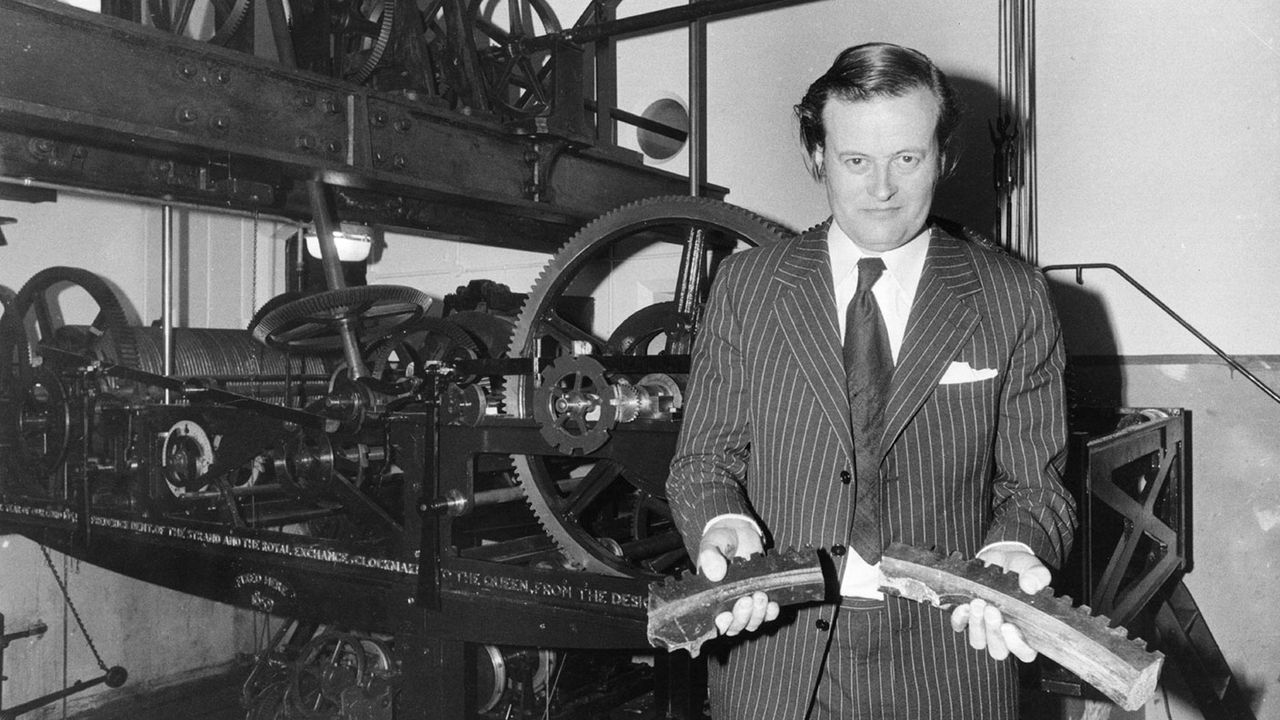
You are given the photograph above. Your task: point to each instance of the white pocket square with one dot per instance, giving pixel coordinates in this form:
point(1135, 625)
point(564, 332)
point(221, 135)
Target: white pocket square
point(963, 372)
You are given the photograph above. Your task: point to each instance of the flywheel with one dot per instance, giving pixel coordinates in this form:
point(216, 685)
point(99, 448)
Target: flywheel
point(646, 269)
point(37, 405)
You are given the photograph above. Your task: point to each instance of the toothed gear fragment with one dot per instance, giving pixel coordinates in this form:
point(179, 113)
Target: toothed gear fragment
point(1103, 656)
point(682, 609)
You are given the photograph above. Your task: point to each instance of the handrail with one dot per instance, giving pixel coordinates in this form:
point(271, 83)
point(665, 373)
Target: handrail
point(1235, 364)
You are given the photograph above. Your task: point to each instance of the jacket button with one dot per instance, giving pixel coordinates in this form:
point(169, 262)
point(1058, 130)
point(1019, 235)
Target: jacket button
point(837, 550)
point(822, 625)
point(846, 477)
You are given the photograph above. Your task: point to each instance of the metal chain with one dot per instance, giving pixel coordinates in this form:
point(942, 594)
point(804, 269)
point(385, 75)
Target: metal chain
point(75, 613)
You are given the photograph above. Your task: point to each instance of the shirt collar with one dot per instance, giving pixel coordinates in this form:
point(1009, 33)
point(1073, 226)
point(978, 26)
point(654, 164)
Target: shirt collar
point(904, 264)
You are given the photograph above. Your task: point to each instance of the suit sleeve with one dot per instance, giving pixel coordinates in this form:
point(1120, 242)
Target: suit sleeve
point(709, 468)
point(1030, 503)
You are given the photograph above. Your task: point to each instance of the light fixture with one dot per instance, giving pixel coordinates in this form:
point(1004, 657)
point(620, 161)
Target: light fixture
point(353, 241)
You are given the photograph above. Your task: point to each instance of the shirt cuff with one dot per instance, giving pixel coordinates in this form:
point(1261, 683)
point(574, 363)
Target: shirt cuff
point(733, 516)
point(1005, 545)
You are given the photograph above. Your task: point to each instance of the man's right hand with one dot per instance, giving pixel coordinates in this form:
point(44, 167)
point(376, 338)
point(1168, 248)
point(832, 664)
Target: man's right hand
point(735, 538)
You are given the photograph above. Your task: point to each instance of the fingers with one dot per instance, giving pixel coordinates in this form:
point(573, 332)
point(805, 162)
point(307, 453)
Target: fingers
point(734, 539)
point(977, 624)
point(992, 620)
point(1033, 576)
point(988, 631)
point(748, 613)
point(712, 563)
point(1034, 579)
point(1017, 646)
point(726, 540)
point(717, 546)
point(723, 621)
point(771, 611)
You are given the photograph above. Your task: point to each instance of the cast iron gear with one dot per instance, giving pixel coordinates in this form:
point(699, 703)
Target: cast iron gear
point(595, 523)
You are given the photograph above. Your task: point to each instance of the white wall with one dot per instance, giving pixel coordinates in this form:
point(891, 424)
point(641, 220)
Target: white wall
point(1159, 138)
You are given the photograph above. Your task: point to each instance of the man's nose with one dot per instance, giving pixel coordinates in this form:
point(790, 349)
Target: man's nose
point(882, 185)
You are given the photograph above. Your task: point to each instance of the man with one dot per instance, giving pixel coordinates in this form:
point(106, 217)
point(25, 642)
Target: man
point(791, 437)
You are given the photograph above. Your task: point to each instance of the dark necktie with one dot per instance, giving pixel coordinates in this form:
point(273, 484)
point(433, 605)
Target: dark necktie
point(868, 364)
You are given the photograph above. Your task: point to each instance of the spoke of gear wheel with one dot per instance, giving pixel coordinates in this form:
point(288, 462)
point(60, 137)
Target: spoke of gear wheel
point(540, 489)
point(505, 89)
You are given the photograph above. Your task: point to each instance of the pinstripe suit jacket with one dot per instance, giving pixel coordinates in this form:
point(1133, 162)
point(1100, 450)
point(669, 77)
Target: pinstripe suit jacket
point(766, 430)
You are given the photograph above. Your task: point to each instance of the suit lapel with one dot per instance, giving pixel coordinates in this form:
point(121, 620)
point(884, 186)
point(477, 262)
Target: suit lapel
point(806, 315)
point(942, 320)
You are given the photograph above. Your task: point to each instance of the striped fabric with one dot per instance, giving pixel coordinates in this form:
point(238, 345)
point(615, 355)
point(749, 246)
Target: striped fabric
point(766, 433)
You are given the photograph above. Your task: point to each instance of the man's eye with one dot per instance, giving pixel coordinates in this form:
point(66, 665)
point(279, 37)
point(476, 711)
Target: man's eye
point(856, 163)
point(908, 160)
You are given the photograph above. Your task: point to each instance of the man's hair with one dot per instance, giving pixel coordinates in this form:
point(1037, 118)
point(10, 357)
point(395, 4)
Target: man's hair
point(879, 70)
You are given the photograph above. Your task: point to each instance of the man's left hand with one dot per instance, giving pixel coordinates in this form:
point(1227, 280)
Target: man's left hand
point(986, 625)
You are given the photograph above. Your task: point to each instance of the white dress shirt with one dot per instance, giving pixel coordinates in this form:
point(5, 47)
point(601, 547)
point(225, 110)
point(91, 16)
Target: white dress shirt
point(894, 290)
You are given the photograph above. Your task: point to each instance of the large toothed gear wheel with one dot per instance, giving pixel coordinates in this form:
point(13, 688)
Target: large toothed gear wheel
point(609, 515)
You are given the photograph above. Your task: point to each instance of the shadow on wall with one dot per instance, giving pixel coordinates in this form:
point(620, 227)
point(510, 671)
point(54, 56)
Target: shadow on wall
point(1094, 377)
point(968, 197)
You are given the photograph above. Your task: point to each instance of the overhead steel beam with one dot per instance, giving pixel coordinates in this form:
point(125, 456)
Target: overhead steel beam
point(95, 102)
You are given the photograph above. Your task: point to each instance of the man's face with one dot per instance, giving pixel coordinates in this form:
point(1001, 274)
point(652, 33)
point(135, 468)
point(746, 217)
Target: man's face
point(880, 166)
